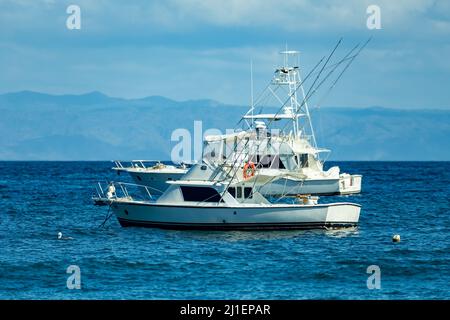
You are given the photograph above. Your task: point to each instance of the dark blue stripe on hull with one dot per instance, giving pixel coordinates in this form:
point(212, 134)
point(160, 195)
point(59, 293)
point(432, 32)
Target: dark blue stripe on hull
point(234, 226)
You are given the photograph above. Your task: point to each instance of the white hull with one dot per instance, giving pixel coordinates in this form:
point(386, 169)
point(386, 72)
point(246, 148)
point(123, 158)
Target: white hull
point(266, 217)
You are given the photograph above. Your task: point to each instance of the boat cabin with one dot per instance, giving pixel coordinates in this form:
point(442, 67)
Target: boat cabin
point(208, 194)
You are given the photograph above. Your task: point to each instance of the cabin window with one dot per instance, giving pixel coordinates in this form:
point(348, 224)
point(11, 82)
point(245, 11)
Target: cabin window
point(262, 161)
point(248, 193)
point(280, 164)
point(265, 161)
point(239, 192)
point(304, 160)
point(203, 194)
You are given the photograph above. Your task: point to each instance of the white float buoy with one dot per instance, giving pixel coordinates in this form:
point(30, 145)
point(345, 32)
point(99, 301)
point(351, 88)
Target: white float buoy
point(60, 237)
point(396, 238)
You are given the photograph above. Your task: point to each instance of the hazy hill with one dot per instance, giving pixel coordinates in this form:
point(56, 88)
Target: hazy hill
point(93, 126)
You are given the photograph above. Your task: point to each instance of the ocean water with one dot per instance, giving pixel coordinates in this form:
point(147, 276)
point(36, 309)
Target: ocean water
point(39, 199)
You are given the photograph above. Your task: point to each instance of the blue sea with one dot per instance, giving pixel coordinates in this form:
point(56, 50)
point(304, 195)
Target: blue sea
point(40, 199)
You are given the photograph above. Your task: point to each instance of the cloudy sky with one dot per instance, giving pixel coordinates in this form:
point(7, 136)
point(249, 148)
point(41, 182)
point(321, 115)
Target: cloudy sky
point(191, 49)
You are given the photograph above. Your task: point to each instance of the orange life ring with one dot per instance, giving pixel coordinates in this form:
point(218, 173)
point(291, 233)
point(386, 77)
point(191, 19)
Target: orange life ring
point(249, 170)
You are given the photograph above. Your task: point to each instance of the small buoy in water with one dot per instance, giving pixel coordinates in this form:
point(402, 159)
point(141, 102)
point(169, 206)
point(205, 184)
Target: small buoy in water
point(60, 237)
point(396, 238)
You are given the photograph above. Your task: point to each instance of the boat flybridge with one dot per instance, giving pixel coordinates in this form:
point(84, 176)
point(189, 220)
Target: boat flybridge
point(281, 147)
point(205, 199)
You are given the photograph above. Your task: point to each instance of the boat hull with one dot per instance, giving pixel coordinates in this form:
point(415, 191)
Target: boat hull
point(340, 215)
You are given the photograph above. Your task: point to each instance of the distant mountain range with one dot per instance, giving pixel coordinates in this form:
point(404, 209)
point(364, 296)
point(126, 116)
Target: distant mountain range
point(93, 126)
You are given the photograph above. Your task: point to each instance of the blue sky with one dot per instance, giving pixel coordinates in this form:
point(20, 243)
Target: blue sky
point(188, 49)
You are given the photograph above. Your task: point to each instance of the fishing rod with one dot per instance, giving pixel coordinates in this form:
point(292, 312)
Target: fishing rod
point(345, 68)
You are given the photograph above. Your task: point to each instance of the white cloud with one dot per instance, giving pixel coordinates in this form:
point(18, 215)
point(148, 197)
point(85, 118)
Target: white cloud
point(292, 15)
point(189, 15)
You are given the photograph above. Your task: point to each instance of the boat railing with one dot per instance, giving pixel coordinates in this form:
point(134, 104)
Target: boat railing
point(144, 164)
point(124, 190)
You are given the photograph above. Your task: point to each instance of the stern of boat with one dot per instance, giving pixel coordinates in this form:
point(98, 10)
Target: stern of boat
point(350, 183)
point(343, 214)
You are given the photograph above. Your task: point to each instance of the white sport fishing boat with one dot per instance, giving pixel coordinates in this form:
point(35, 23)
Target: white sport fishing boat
point(199, 203)
point(288, 162)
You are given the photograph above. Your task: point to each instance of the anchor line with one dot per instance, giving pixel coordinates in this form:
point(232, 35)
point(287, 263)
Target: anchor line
point(108, 216)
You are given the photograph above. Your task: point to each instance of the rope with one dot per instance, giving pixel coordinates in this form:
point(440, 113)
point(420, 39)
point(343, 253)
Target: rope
point(108, 216)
